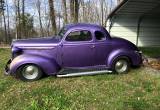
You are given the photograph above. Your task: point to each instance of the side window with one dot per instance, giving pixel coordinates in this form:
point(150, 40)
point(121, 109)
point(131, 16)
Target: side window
point(99, 35)
point(79, 36)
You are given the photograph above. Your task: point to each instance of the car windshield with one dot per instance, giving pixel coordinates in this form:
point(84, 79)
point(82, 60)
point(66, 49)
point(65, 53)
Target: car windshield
point(61, 33)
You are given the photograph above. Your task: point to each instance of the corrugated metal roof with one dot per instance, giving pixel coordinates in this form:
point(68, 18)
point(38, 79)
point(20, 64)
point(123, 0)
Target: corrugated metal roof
point(137, 8)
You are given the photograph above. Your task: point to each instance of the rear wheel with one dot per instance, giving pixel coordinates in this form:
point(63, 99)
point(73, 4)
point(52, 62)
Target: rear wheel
point(122, 65)
point(29, 72)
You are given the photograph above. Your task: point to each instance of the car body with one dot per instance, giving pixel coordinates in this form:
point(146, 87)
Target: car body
point(78, 46)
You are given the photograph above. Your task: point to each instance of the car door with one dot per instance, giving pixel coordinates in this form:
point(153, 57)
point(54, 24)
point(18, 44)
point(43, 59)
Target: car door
point(77, 49)
point(102, 47)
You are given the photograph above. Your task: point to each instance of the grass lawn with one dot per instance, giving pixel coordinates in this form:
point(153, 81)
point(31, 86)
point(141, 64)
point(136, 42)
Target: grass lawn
point(137, 90)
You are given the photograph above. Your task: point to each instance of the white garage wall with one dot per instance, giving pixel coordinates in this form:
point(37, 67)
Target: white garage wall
point(126, 27)
point(149, 32)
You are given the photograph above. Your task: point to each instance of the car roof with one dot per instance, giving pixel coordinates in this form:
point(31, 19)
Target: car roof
point(83, 25)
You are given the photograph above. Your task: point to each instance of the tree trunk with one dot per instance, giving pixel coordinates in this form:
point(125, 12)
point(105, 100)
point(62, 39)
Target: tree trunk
point(8, 25)
point(119, 1)
point(106, 13)
point(52, 16)
point(83, 10)
point(39, 17)
point(48, 27)
point(18, 27)
point(19, 19)
point(102, 12)
point(5, 27)
point(74, 10)
point(23, 19)
point(64, 11)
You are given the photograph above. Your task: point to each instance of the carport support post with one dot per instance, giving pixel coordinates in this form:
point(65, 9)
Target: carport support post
point(111, 24)
point(138, 28)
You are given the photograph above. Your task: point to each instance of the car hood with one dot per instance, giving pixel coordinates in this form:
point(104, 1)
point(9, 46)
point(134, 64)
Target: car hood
point(36, 42)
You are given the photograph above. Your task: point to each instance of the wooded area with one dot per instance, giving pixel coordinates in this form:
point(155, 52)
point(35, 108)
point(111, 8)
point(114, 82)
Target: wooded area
point(22, 19)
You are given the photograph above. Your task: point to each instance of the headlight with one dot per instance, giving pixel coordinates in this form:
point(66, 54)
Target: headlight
point(15, 52)
point(15, 49)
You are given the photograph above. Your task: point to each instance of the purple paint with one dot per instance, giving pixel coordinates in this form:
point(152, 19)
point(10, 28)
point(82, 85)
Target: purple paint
point(55, 53)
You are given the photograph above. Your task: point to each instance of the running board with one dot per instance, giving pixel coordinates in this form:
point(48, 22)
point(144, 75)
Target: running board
point(83, 73)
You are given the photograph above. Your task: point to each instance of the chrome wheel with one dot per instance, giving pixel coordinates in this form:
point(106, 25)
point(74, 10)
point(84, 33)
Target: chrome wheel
point(121, 66)
point(30, 72)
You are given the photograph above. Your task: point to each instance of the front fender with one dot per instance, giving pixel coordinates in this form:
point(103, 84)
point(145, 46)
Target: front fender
point(48, 65)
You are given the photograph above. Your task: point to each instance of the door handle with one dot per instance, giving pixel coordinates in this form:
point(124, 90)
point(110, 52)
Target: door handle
point(93, 46)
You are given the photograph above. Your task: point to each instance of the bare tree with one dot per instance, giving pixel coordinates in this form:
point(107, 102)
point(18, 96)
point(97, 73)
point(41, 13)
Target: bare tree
point(38, 5)
point(90, 11)
point(74, 10)
point(82, 10)
point(52, 16)
point(8, 22)
point(23, 19)
point(18, 17)
point(102, 10)
point(47, 20)
point(5, 26)
point(48, 27)
point(105, 13)
point(119, 1)
point(64, 11)
point(1, 6)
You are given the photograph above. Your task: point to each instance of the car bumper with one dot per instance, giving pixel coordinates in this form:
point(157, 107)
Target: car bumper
point(138, 58)
point(7, 68)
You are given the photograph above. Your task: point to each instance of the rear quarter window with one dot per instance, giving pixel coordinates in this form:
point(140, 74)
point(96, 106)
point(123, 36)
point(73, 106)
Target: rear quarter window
point(99, 35)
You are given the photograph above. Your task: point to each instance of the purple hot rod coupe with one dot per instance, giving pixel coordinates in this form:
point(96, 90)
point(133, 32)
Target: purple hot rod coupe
point(78, 49)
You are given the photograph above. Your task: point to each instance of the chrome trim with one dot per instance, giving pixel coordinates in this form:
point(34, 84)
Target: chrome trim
point(7, 69)
point(140, 52)
point(38, 48)
point(84, 73)
point(30, 72)
point(121, 66)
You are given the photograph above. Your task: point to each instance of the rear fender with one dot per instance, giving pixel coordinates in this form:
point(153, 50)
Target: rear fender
point(48, 65)
point(116, 54)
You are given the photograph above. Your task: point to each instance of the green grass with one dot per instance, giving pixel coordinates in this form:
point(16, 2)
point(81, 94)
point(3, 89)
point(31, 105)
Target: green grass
point(151, 51)
point(137, 90)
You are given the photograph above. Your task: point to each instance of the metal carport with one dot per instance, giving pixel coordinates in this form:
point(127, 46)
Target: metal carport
point(137, 21)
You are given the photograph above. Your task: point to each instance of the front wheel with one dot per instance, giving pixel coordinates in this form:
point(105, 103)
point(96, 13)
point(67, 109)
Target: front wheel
point(122, 65)
point(29, 72)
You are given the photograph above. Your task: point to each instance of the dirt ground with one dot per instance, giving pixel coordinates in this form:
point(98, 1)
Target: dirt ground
point(152, 63)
